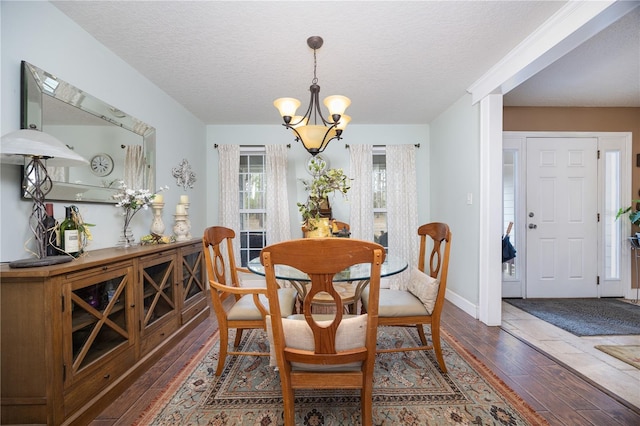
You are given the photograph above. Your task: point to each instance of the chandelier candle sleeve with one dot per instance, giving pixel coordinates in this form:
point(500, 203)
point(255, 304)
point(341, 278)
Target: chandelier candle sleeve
point(180, 209)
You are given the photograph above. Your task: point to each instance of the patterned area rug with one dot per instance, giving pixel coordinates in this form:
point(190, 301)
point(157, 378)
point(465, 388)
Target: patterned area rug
point(409, 389)
point(626, 353)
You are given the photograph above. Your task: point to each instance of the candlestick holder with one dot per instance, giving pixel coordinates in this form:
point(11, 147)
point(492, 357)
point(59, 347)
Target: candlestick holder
point(186, 209)
point(157, 225)
point(180, 227)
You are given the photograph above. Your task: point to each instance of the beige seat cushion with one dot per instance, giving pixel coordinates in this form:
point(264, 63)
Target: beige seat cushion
point(249, 279)
point(396, 303)
point(245, 308)
point(351, 334)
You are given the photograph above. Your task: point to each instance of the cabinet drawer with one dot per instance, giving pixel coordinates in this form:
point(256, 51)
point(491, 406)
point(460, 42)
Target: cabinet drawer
point(85, 273)
point(86, 386)
point(158, 333)
point(194, 308)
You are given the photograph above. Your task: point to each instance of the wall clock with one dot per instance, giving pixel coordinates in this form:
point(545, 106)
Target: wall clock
point(101, 164)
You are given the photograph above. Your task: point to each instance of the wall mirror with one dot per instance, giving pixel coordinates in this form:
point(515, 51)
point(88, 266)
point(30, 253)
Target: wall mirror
point(119, 147)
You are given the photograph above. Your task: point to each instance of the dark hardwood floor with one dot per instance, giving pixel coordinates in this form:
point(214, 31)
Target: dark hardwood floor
point(555, 392)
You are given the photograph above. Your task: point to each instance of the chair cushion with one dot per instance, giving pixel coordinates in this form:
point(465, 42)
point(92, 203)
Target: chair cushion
point(396, 303)
point(245, 309)
point(351, 334)
point(249, 279)
point(424, 287)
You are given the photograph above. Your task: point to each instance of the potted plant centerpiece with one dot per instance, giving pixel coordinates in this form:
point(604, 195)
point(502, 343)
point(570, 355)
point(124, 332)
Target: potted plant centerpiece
point(324, 183)
point(634, 218)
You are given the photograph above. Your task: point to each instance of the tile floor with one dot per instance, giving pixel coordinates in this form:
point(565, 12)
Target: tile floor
point(578, 353)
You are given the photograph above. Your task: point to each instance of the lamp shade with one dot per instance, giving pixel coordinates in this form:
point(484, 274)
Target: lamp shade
point(34, 143)
point(336, 104)
point(314, 137)
point(344, 120)
point(299, 121)
point(287, 106)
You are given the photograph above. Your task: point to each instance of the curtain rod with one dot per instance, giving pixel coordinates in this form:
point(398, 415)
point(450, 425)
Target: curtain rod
point(215, 145)
point(417, 145)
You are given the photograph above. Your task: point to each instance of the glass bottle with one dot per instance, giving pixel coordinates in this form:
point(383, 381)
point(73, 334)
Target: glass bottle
point(69, 236)
point(51, 242)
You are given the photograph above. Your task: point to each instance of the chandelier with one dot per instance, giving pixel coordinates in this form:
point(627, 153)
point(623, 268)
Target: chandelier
point(315, 137)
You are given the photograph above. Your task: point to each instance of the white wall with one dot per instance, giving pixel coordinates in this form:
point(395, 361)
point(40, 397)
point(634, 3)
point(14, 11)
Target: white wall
point(455, 143)
point(336, 154)
point(43, 36)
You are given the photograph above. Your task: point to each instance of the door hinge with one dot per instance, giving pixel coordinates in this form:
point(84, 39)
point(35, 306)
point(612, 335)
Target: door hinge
point(598, 217)
point(598, 154)
point(598, 280)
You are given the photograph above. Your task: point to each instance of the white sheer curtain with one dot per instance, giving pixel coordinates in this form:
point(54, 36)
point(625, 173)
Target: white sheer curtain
point(402, 208)
point(134, 167)
point(229, 201)
point(361, 193)
point(278, 226)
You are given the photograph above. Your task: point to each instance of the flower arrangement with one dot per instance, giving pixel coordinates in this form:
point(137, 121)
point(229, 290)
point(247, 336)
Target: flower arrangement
point(319, 188)
point(132, 201)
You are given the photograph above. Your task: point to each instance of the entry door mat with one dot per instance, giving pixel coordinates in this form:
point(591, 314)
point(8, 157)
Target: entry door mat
point(409, 390)
point(584, 317)
point(625, 353)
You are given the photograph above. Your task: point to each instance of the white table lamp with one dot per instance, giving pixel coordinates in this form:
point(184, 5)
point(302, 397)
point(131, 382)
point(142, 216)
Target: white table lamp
point(40, 148)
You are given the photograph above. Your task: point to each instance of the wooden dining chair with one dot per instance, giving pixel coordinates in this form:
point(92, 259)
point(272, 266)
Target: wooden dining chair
point(324, 351)
point(250, 306)
point(421, 303)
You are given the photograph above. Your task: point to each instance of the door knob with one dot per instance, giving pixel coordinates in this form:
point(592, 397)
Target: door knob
point(532, 226)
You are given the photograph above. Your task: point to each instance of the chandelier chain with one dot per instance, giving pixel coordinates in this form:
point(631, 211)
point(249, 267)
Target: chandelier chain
point(315, 65)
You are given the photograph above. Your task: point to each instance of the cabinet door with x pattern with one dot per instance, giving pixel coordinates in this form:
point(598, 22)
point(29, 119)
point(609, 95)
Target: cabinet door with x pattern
point(193, 289)
point(159, 313)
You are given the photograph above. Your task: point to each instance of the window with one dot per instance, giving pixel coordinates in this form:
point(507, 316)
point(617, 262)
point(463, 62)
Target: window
point(380, 196)
point(252, 187)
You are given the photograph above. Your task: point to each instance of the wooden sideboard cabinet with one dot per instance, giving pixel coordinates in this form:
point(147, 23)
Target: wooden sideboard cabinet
point(76, 335)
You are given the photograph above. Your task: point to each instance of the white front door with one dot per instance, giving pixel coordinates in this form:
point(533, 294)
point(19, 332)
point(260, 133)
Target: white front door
point(561, 210)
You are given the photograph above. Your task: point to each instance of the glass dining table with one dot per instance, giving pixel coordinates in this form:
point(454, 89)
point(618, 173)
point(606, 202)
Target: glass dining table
point(348, 283)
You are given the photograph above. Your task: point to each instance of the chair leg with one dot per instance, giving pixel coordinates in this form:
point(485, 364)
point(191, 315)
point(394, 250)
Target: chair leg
point(224, 342)
point(423, 337)
point(366, 406)
point(435, 336)
point(289, 409)
point(238, 338)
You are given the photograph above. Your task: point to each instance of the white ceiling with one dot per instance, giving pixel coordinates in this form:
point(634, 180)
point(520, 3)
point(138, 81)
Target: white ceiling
point(400, 62)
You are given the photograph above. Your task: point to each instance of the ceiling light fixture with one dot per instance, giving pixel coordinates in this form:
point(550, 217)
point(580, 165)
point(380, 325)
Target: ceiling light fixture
point(315, 137)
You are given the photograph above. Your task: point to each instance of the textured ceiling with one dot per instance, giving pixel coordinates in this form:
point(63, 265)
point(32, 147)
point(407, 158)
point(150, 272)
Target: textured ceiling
point(399, 62)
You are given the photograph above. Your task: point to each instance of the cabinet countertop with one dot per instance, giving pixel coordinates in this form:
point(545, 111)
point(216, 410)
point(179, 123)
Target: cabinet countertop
point(91, 259)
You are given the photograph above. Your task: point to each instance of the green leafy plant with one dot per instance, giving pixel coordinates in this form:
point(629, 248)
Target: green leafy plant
point(319, 188)
point(634, 214)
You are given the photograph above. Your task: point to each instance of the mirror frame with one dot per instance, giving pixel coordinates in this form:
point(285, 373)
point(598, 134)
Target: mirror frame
point(35, 85)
